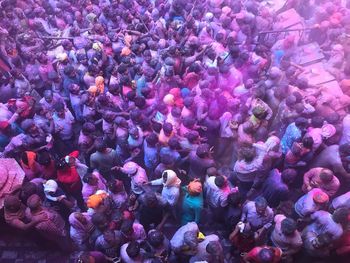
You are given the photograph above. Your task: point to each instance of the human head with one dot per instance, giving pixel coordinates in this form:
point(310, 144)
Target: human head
point(190, 239)
point(341, 215)
point(99, 220)
point(247, 154)
point(155, 238)
point(203, 150)
point(220, 181)
point(288, 226)
point(301, 123)
point(322, 240)
point(214, 248)
point(34, 202)
point(12, 203)
point(288, 176)
point(133, 249)
point(326, 175)
point(266, 255)
point(100, 145)
point(260, 205)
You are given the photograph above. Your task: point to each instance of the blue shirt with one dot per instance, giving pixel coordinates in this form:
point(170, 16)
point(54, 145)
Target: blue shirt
point(291, 135)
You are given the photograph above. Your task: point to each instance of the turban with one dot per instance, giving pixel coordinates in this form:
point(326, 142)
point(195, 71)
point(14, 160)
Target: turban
point(195, 187)
point(320, 197)
point(94, 201)
point(328, 130)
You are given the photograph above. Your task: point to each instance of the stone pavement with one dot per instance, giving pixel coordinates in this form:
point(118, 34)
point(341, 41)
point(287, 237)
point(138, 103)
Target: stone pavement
point(21, 249)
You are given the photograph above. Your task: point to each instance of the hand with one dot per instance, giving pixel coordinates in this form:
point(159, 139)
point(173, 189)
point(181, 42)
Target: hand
point(60, 198)
point(115, 168)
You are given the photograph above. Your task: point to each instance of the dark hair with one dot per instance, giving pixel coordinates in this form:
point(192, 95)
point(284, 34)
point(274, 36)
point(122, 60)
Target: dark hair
point(288, 226)
point(126, 226)
point(133, 249)
point(266, 255)
point(341, 215)
point(59, 106)
point(247, 153)
point(155, 238)
point(308, 142)
point(301, 122)
point(99, 218)
point(152, 139)
point(220, 181)
point(260, 201)
point(100, 145)
point(173, 143)
point(317, 121)
point(324, 239)
point(167, 127)
point(234, 198)
point(203, 150)
point(288, 176)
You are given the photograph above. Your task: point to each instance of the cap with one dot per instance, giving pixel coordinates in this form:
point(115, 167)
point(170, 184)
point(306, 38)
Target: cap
point(50, 186)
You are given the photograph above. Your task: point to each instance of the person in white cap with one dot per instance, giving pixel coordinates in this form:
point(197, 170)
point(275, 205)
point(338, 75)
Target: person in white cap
point(136, 174)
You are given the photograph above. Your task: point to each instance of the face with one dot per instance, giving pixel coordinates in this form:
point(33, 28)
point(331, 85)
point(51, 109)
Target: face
point(260, 210)
point(49, 97)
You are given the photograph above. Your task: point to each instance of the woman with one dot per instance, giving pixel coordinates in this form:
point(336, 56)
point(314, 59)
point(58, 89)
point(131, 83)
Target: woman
point(80, 230)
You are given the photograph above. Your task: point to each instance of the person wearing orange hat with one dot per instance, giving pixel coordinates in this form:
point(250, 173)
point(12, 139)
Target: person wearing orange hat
point(192, 203)
point(311, 202)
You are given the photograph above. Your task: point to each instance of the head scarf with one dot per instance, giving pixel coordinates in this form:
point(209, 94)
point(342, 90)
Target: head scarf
point(320, 197)
point(195, 187)
point(172, 179)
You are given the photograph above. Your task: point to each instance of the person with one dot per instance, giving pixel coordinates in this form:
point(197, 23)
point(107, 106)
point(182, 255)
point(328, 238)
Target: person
point(53, 228)
point(192, 203)
point(103, 159)
point(171, 187)
point(264, 254)
point(200, 161)
point(277, 186)
point(157, 246)
point(322, 178)
point(80, 229)
point(209, 250)
point(286, 236)
point(311, 202)
point(217, 190)
point(131, 252)
point(317, 246)
point(15, 216)
point(293, 133)
point(184, 242)
point(63, 121)
point(257, 213)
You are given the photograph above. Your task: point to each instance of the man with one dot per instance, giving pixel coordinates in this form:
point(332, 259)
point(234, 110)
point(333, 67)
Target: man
point(311, 202)
point(49, 100)
point(192, 203)
point(104, 159)
point(63, 121)
point(286, 236)
point(332, 158)
point(130, 253)
point(53, 228)
point(322, 178)
point(184, 242)
point(209, 250)
point(217, 190)
point(276, 188)
point(316, 245)
point(151, 201)
point(257, 214)
point(264, 254)
point(293, 133)
point(200, 160)
point(332, 224)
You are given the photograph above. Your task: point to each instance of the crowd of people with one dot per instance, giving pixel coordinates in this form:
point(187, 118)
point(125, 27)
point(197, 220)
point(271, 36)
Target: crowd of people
point(174, 131)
